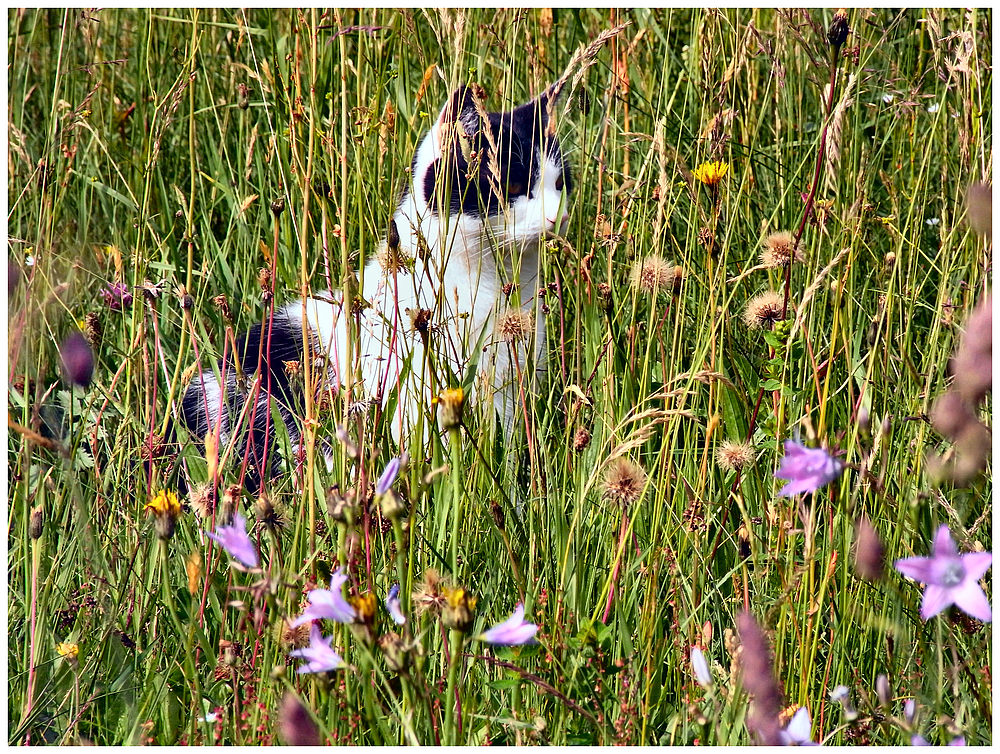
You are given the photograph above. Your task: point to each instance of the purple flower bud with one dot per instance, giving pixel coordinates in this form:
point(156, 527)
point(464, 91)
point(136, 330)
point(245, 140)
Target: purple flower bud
point(77, 359)
point(392, 605)
point(388, 477)
point(297, 726)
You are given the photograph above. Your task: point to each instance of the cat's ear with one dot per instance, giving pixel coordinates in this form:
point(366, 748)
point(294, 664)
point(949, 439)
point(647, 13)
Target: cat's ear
point(461, 109)
point(540, 112)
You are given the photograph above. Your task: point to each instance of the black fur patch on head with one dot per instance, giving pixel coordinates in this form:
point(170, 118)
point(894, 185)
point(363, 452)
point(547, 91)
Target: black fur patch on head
point(252, 434)
point(464, 173)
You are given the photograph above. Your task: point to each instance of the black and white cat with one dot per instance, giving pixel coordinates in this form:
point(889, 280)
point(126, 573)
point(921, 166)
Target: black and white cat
point(464, 247)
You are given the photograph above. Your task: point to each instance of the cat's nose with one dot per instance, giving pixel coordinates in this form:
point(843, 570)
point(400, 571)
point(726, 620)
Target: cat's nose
point(558, 223)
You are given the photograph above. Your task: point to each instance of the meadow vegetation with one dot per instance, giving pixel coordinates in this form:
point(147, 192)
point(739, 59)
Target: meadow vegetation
point(769, 240)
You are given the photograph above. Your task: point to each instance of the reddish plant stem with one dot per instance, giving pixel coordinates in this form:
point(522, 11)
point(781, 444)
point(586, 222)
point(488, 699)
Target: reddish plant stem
point(620, 547)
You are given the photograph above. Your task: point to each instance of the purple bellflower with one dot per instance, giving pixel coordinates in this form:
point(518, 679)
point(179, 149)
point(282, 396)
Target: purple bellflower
point(951, 579)
point(806, 469)
point(234, 540)
point(798, 730)
point(385, 481)
point(319, 655)
point(392, 605)
point(513, 631)
point(328, 603)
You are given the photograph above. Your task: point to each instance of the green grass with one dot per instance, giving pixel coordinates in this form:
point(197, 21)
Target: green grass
point(134, 155)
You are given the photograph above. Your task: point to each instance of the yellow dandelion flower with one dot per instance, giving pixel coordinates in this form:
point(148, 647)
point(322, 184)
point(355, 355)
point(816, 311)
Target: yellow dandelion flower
point(711, 173)
point(68, 650)
point(450, 404)
point(459, 609)
point(165, 503)
point(166, 508)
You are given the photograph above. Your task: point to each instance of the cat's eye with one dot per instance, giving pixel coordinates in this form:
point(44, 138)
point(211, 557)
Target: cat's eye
point(559, 182)
point(514, 189)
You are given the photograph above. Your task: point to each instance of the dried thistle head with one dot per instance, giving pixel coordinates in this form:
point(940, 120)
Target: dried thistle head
point(581, 439)
point(763, 312)
point(294, 638)
point(392, 259)
point(780, 249)
point(624, 482)
point(514, 325)
point(201, 498)
point(429, 594)
point(222, 304)
point(735, 456)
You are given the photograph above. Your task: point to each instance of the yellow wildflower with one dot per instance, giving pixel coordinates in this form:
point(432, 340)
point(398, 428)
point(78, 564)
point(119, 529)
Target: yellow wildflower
point(165, 503)
point(68, 650)
point(166, 508)
point(459, 609)
point(711, 173)
point(450, 404)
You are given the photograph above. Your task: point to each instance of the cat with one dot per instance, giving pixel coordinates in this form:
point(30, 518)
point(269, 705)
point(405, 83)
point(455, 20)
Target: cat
point(462, 251)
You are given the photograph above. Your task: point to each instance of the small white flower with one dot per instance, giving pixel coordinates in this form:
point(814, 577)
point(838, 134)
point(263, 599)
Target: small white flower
point(932, 221)
point(887, 98)
point(210, 717)
point(933, 108)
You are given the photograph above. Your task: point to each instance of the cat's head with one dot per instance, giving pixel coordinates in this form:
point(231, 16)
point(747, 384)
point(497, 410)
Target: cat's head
point(505, 170)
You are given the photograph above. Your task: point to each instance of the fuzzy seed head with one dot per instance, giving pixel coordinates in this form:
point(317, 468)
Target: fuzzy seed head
point(392, 259)
point(654, 273)
point(764, 311)
point(735, 456)
point(779, 250)
point(624, 482)
point(514, 325)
